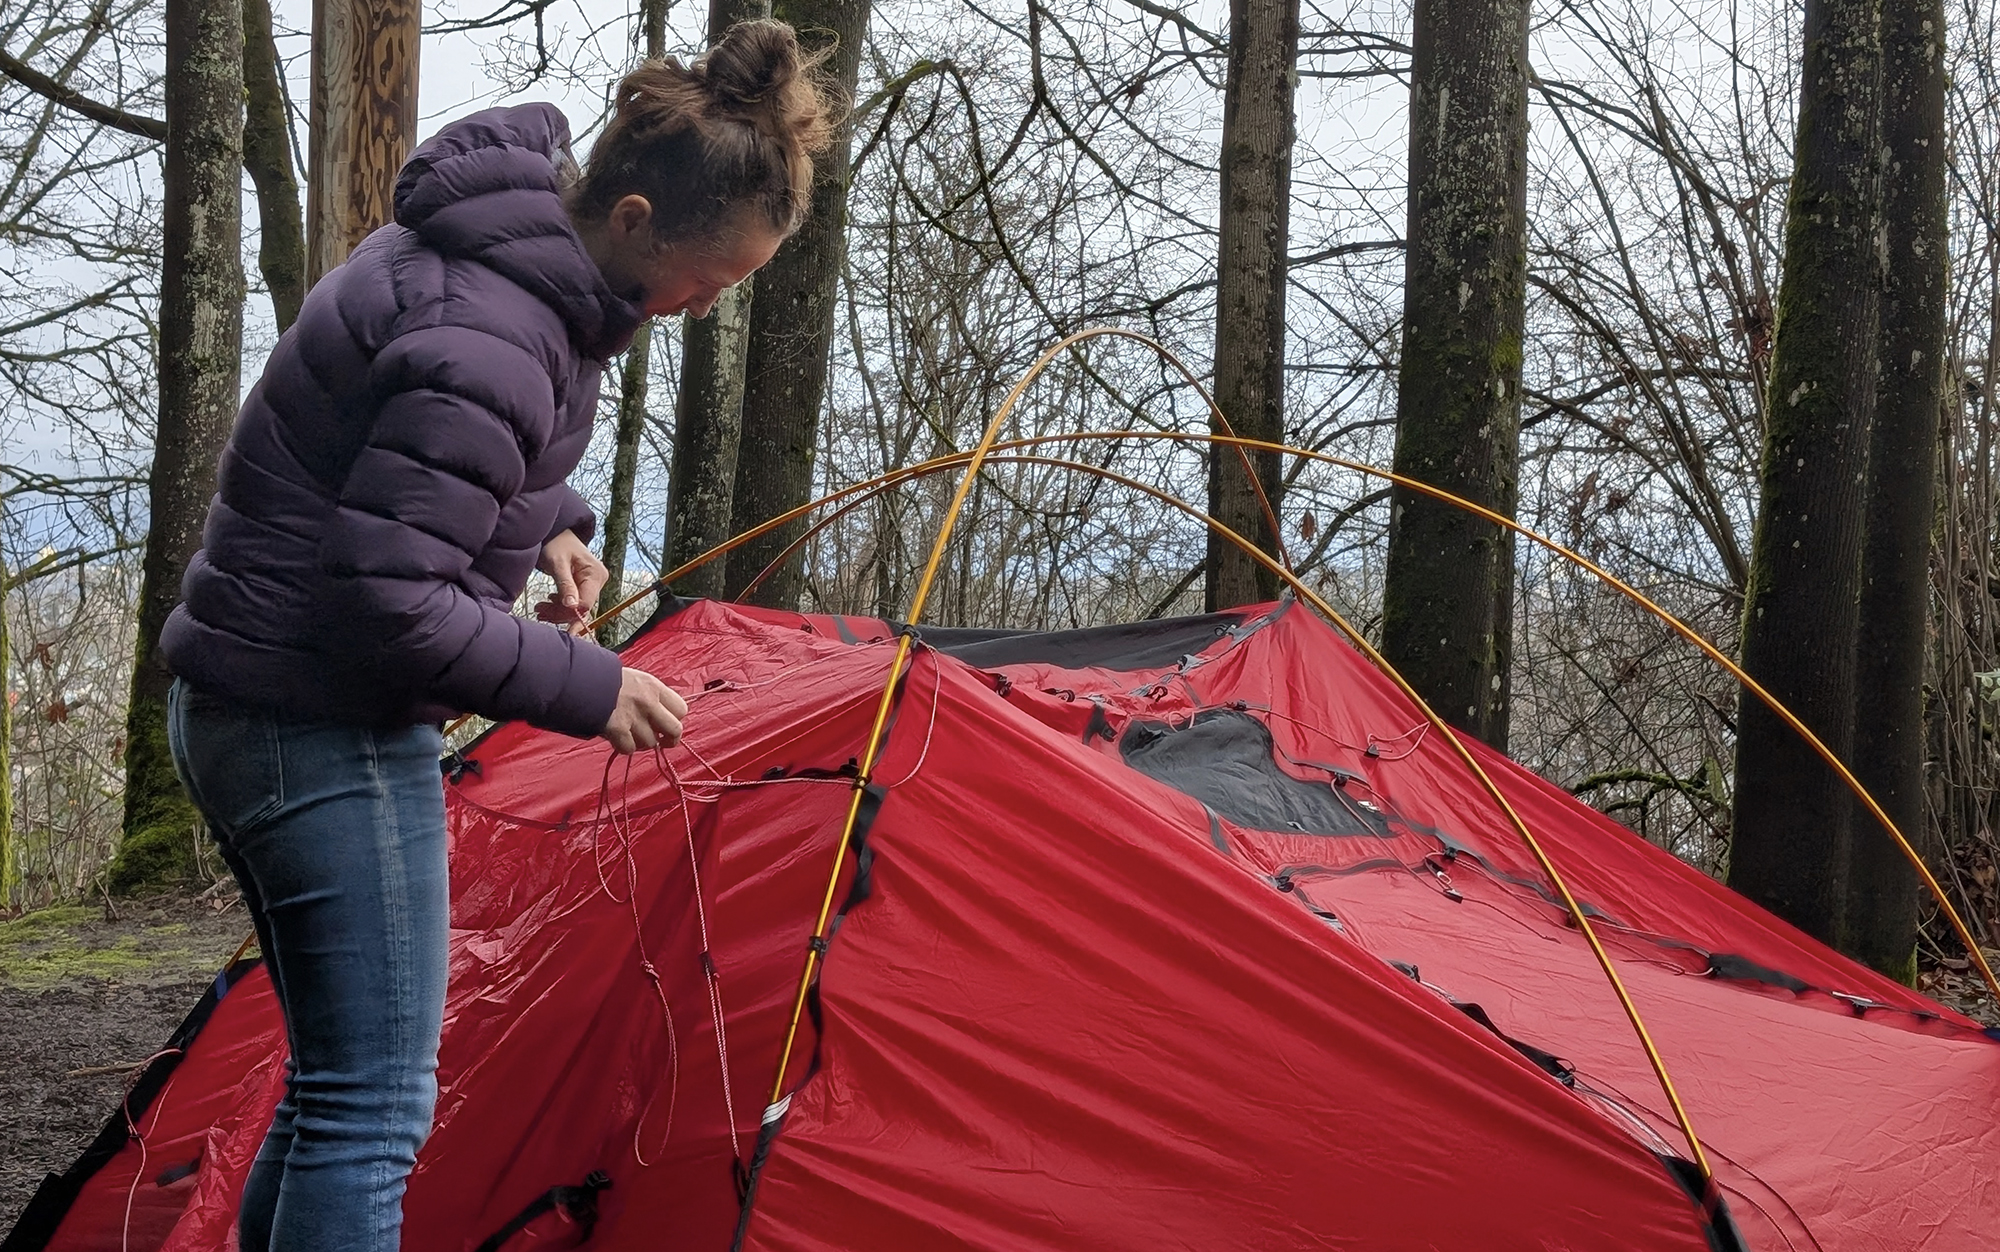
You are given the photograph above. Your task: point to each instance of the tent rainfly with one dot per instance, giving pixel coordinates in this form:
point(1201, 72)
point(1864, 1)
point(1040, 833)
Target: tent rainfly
point(1183, 934)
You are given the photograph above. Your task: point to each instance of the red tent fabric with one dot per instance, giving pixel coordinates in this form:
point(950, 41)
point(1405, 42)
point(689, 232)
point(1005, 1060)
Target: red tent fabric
point(1183, 934)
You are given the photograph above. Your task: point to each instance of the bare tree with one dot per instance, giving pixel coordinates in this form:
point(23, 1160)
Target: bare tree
point(1447, 597)
point(1256, 184)
point(632, 389)
point(267, 155)
point(1790, 847)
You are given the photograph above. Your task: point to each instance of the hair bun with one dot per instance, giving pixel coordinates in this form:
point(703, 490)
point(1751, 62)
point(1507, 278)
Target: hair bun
point(735, 130)
point(752, 64)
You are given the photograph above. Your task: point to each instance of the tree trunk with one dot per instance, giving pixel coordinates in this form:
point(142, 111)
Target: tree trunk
point(653, 26)
point(1448, 590)
point(364, 120)
point(10, 848)
point(1257, 128)
point(624, 473)
point(708, 413)
point(267, 155)
point(791, 331)
point(1882, 898)
point(708, 425)
point(201, 338)
point(1800, 612)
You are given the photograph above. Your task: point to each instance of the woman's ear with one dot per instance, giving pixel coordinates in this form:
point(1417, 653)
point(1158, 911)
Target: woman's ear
point(631, 221)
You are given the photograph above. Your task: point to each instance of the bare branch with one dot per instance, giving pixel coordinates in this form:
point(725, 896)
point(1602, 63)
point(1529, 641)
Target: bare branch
point(76, 102)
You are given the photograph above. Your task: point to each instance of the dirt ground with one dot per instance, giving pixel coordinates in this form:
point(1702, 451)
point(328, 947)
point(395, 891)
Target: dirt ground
point(84, 997)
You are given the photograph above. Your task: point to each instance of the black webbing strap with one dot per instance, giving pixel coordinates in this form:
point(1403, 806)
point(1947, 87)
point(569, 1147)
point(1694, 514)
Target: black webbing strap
point(1548, 1062)
point(747, 1176)
point(579, 1203)
point(1716, 1223)
point(858, 892)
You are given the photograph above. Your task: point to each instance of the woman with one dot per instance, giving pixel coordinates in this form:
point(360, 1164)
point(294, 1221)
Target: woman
point(391, 482)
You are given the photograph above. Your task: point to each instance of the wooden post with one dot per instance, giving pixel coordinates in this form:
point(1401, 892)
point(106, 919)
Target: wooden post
point(364, 121)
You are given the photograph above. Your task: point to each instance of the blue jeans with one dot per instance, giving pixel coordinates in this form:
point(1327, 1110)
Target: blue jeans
point(336, 834)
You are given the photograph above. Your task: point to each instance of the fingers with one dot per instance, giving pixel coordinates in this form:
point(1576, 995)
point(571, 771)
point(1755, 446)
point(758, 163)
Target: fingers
point(665, 724)
point(566, 593)
point(590, 579)
point(648, 715)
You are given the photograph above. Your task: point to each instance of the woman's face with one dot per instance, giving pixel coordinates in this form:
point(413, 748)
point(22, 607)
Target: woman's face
point(680, 278)
point(690, 279)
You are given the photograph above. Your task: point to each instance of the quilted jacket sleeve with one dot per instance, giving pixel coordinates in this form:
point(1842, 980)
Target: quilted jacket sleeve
point(462, 412)
point(573, 514)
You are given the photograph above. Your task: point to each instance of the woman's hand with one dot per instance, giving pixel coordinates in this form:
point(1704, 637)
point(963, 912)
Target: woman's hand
point(579, 577)
point(648, 713)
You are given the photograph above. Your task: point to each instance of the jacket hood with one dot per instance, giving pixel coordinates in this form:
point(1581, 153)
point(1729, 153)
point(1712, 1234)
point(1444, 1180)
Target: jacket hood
point(490, 187)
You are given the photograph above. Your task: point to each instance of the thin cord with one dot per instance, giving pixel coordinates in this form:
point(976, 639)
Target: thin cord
point(621, 826)
point(132, 1129)
point(709, 971)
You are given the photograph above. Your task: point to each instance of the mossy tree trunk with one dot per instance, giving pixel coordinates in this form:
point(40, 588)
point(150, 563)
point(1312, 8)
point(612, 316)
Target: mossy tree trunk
point(267, 156)
point(1257, 131)
point(201, 338)
point(1448, 591)
point(708, 413)
point(10, 849)
point(1790, 847)
point(791, 331)
point(1882, 899)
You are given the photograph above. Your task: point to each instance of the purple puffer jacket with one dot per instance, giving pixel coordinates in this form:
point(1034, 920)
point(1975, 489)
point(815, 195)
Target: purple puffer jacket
point(394, 474)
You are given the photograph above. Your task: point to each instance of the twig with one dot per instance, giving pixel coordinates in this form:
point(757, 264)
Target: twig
point(99, 1071)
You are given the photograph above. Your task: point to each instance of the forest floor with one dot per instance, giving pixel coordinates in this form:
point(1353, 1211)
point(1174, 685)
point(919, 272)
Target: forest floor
point(87, 996)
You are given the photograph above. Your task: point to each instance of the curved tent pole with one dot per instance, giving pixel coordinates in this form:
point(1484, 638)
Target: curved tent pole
point(1685, 631)
point(1577, 916)
point(881, 482)
point(990, 444)
point(876, 486)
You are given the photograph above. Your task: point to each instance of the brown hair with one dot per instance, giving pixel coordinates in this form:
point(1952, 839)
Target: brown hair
point(733, 131)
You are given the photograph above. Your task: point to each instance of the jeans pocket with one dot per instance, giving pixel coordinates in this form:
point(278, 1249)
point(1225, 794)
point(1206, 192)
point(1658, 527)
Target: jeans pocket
point(229, 757)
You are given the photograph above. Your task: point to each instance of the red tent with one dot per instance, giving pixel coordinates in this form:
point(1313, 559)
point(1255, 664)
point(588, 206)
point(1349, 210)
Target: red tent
point(1184, 934)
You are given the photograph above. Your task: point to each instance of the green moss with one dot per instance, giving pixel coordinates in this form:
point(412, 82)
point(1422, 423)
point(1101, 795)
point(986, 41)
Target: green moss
point(161, 826)
point(56, 946)
point(42, 926)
